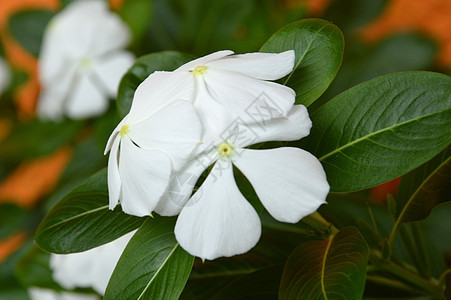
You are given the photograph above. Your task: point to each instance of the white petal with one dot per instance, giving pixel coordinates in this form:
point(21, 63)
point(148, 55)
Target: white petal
point(86, 99)
point(36, 293)
point(218, 220)
point(113, 135)
point(182, 184)
point(296, 126)
point(159, 90)
point(251, 99)
point(204, 60)
point(290, 182)
point(5, 76)
point(175, 130)
point(111, 68)
point(145, 177)
point(91, 268)
point(113, 34)
point(114, 180)
point(266, 66)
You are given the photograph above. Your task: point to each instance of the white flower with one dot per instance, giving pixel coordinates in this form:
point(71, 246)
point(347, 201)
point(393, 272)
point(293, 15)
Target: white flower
point(82, 61)
point(158, 136)
point(234, 86)
point(290, 182)
point(92, 268)
point(4, 75)
point(46, 294)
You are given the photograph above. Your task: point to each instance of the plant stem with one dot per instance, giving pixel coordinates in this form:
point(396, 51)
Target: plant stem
point(389, 282)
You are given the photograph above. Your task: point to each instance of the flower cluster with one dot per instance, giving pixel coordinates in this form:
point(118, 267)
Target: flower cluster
point(85, 57)
point(206, 114)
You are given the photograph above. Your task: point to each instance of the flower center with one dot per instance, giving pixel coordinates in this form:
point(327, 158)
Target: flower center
point(200, 70)
point(225, 150)
point(124, 130)
point(85, 62)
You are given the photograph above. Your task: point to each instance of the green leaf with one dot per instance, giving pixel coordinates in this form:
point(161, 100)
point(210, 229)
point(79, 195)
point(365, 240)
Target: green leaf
point(12, 219)
point(424, 188)
point(319, 51)
point(33, 269)
point(332, 269)
point(36, 139)
point(381, 129)
point(141, 69)
point(27, 27)
point(153, 265)
point(82, 220)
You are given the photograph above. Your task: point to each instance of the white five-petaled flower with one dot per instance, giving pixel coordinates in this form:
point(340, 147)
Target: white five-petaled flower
point(158, 136)
point(290, 182)
point(91, 268)
point(231, 86)
point(82, 60)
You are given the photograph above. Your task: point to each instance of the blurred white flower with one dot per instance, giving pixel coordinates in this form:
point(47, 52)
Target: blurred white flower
point(92, 268)
point(230, 86)
point(290, 182)
point(82, 60)
point(158, 136)
point(36, 293)
point(5, 75)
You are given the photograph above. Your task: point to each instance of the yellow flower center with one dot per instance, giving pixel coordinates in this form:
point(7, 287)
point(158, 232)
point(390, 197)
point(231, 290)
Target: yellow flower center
point(225, 150)
point(200, 70)
point(85, 62)
point(124, 130)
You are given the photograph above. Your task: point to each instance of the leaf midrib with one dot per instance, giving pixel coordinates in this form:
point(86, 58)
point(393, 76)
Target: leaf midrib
point(323, 266)
point(159, 269)
point(339, 149)
point(303, 54)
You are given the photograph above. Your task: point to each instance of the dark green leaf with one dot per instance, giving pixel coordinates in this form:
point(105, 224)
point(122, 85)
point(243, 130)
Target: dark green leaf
point(319, 51)
point(153, 265)
point(332, 269)
point(141, 69)
point(381, 129)
point(12, 219)
point(424, 188)
point(28, 27)
point(82, 220)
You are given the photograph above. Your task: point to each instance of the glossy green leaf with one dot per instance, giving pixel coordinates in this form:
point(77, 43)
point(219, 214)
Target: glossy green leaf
point(27, 27)
point(319, 51)
point(141, 69)
point(153, 265)
point(381, 129)
point(424, 188)
point(82, 220)
point(331, 269)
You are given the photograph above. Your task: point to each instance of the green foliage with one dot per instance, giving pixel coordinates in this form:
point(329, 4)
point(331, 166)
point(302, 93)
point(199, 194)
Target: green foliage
point(37, 138)
point(332, 269)
point(153, 265)
point(381, 129)
point(12, 219)
point(424, 188)
point(137, 14)
point(27, 27)
point(33, 269)
point(82, 220)
point(141, 69)
point(319, 50)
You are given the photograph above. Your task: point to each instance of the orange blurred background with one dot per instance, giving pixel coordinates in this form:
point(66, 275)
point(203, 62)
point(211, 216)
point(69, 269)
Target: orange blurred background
point(41, 175)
